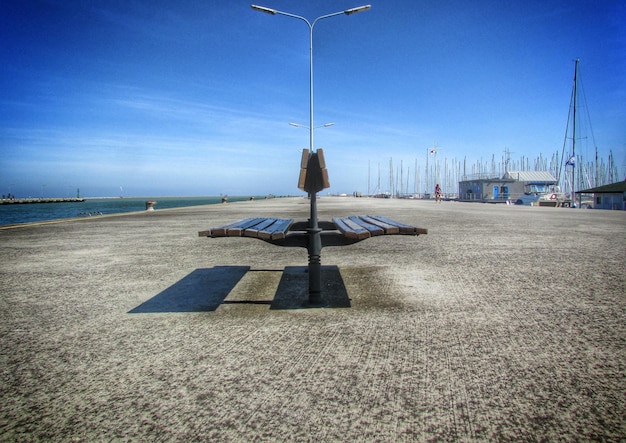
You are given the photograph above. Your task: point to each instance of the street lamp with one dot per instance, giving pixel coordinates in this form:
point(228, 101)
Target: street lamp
point(314, 232)
point(310, 25)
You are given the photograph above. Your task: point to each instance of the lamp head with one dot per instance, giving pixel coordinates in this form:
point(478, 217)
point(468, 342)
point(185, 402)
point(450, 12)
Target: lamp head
point(357, 9)
point(263, 9)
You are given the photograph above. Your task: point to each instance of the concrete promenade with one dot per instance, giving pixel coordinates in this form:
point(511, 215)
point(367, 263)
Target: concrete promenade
point(504, 323)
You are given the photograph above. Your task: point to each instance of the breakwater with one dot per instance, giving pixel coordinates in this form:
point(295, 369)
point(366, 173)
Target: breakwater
point(25, 201)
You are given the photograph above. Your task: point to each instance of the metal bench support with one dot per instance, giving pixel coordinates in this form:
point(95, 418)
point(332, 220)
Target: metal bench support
point(315, 255)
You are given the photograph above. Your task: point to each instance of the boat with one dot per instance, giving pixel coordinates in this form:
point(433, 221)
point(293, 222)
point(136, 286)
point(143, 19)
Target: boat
point(540, 188)
point(544, 195)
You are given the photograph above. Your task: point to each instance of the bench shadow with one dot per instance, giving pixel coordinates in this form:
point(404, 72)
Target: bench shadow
point(204, 290)
point(293, 289)
point(201, 291)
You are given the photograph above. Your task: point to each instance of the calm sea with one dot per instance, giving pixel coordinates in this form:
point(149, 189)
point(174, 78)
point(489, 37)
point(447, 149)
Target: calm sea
point(28, 213)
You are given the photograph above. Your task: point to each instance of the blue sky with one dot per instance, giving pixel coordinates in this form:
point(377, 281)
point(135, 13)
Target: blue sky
point(194, 97)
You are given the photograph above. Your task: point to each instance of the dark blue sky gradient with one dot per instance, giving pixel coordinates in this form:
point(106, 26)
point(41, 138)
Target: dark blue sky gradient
point(195, 97)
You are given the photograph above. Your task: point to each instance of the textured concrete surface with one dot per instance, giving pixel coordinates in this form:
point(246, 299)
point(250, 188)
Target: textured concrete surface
point(503, 323)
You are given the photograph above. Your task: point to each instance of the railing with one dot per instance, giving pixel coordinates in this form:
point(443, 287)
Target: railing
point(480, 176)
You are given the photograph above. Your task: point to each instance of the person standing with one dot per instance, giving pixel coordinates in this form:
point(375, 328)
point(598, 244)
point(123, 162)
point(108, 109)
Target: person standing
point(437, 193)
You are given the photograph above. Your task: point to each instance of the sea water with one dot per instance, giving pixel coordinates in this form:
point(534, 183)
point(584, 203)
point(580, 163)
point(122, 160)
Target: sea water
point(92, 207)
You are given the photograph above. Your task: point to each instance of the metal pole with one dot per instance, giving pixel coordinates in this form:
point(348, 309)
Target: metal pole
point(574, 134)
point(314, 232)
point(310, 87)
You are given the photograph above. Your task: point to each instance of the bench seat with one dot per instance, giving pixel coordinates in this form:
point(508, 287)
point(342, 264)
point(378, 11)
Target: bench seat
point(341, 231)
point(258, 227)
point(366, 226)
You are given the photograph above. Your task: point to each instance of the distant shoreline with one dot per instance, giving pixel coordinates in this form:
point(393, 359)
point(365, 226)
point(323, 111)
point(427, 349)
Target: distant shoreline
point(28, 201)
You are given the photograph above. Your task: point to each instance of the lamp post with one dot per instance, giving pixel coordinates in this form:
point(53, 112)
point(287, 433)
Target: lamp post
point(314, 231)
point(310, 25)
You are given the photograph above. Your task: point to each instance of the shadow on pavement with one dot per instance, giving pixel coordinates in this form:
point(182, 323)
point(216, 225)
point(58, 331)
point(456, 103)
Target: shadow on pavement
point(202, 290)
point(293, 289)
point(205, 290)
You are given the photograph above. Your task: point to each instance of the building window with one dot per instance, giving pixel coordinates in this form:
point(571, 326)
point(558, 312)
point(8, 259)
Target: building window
point(598, 200)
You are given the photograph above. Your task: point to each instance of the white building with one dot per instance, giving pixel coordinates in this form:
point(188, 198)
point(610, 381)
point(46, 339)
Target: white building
point(512, 186)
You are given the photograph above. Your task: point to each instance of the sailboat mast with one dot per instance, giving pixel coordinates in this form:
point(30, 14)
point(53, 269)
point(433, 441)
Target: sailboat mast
point(369, 175)
point(574, 131)
point(426, 188)
point(415, 183)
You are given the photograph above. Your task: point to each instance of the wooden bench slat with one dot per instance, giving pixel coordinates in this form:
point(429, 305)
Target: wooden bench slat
point(222, 231)
point(258, 227)
point(281, 227)
point(237, 229)
point(253, 231)
point(275, 228)
point(389, 228)
point(234, 229)
point(400, 228)
point(351, 229)
point(362, 221)
point(404, 228)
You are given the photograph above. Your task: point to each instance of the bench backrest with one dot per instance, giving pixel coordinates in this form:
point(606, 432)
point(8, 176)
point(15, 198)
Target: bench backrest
point(313, 173)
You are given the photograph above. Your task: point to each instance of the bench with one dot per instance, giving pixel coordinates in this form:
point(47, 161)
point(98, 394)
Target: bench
point(340, 232)
point(313, 234)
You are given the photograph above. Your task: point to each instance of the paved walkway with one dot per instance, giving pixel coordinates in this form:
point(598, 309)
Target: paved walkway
point(503, 323)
